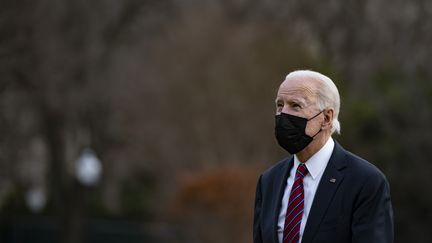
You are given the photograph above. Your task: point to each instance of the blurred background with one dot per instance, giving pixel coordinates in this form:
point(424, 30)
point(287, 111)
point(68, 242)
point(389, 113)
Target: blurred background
point(150, 121)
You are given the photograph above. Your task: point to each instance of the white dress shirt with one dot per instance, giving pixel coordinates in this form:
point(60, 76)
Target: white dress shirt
point(315, 165)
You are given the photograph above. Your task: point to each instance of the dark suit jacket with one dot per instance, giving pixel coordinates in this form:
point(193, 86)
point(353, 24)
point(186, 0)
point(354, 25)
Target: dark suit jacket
point(355, 207)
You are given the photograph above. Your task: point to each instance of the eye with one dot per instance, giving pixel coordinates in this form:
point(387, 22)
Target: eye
point(296, 105)
point(279, 106)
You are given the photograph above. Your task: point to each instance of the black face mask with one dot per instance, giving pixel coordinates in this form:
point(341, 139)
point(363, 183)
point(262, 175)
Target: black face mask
point(290, 132)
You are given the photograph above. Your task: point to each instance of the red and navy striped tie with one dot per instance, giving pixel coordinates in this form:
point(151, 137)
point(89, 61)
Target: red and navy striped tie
point(295, 207)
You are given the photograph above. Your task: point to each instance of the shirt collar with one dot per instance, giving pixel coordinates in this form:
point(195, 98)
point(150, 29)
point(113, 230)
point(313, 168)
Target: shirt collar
point(319, 160)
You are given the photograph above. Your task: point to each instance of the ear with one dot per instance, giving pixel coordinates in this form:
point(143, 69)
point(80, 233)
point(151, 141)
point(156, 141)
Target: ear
point(328, 118)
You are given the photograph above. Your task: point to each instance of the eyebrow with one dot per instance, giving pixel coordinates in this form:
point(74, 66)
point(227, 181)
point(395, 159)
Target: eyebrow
point(294, 100)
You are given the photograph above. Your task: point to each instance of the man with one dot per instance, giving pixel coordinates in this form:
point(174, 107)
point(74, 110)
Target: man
point(322, 193)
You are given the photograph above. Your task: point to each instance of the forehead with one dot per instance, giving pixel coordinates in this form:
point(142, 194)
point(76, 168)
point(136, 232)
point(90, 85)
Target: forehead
point(302, 89)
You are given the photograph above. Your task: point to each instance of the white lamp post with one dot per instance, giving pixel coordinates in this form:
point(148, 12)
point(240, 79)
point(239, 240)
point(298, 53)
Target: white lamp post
point(35, 199)
point(88, 168)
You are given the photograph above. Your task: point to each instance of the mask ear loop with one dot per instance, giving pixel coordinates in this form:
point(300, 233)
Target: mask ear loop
point(313, 118)
point(317, 133)
point(316, 115)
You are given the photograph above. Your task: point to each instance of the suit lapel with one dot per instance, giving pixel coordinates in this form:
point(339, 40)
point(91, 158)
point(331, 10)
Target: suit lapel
point(327, 187)
point(280, 184)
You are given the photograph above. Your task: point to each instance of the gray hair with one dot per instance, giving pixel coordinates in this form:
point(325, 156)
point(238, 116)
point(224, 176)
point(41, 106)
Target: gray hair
point(327, 93)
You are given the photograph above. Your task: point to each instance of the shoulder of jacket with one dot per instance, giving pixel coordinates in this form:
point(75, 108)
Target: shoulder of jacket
point(363, 166)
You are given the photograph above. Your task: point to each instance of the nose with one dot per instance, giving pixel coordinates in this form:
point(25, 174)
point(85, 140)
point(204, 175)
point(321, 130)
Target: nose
point(285, 109)
point(279, 110)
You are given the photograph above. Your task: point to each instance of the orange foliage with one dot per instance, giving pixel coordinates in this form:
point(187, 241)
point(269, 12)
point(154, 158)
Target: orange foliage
point(216, 205)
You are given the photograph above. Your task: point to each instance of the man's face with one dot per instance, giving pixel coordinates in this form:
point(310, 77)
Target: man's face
point(298, 97)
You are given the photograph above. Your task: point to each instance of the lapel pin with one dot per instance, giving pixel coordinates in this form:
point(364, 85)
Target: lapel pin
point(332, 180)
